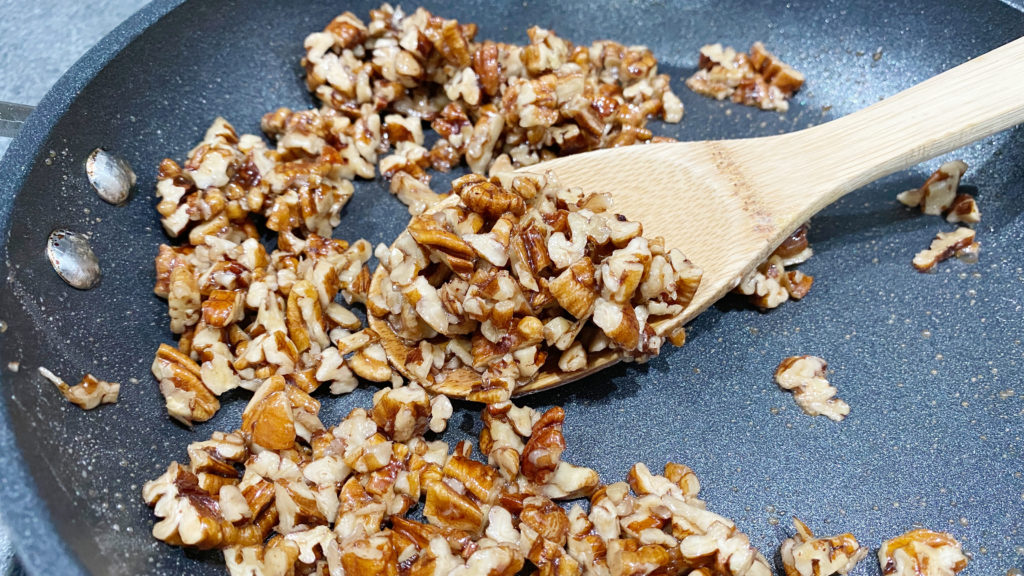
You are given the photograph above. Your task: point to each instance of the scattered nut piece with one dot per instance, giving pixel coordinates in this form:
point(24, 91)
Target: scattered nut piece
point(938, 195)
point(757, 79)
point(946, 244)
point(921, 552)
point(805, 555)
point(805, 377)
point(87, 394)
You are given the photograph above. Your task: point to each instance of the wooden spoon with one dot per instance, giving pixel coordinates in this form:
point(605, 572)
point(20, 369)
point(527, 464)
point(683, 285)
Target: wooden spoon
point(728, 204)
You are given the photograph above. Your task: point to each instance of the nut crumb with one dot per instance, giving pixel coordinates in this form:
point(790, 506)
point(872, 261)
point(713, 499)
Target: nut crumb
point(959, 242)
point(938, 195)
point(805, 377)
point(771, 284)
point(805, 555)
point(14, 366)
point(87, 394)
point(921, 552)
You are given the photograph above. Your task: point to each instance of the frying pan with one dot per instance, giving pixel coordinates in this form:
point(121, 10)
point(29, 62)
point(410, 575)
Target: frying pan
point(927, 361)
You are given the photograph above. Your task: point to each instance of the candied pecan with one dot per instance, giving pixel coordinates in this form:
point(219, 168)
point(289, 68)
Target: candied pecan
point(805, 377)
point(188, 399)
point(805, 555)
point(921, 551)
point(87, 394)
point(944, 245)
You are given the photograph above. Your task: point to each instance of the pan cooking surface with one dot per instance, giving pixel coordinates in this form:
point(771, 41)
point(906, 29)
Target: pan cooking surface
point(926, 361)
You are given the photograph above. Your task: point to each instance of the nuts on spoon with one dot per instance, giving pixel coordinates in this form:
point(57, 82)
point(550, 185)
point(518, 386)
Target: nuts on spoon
point(512, 278)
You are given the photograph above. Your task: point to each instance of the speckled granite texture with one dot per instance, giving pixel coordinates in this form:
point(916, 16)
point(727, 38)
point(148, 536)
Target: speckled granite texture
point(931, 364)
point(31, 61)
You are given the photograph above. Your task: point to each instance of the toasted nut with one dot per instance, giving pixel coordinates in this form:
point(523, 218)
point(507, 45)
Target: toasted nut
point(944, 245)
point(575, 288)
point(805, 555)
point(187, 398)
point(87, 394)
point(805, 377)
point(484, 197)
point(937, 194)
point(544, 449)
point(223, 307)
point(371, 363)
point(921, 551)
point(269, 423)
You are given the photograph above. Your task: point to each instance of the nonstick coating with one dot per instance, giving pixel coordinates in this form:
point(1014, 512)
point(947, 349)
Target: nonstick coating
point(926, 361)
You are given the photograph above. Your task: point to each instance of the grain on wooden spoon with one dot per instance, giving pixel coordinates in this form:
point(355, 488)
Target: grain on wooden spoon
point(728, 204)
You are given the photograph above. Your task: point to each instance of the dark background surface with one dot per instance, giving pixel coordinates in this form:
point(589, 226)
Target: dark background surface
point(31, 60)
point(927, 362)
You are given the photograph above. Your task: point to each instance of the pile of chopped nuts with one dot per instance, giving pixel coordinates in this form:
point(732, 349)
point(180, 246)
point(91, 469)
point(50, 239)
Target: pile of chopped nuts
point(286, 495)
point(508, 272)
point(484, 99)
point(244, 315)
point(87, 394)
point(770, 284)
point(921, 552)
point(757, 79)
point(805, 555)
point(805, 377)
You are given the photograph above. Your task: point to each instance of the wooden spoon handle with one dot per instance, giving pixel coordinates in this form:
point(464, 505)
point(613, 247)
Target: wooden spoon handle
point(976, 99)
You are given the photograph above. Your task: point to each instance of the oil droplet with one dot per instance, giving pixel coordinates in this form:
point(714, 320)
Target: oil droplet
point(773, 521)
point(983, 550)
point(963, 521)
point(770, 509)
point(3, 328)
point(926, 333)
point(1019, 550)
point(1003, 394)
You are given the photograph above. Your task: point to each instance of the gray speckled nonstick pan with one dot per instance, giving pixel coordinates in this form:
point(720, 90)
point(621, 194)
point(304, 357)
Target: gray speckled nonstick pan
point(931, 364)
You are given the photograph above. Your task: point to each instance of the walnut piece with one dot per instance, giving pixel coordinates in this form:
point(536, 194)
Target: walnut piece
point(958, 242)
point(921, 552)
point(805, 377)
point(805, 555)
point(87, 394)
point(757, 79)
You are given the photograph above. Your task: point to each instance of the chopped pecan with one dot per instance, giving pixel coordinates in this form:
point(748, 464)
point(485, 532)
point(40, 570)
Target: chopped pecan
point(923, 552)
point(805, 555)
point(805, 377)
point(87, 394)
point(188, 399)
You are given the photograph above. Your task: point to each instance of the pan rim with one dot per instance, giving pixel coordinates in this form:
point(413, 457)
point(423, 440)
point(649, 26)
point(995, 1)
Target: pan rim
point(55, 553)
point(38, 546)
